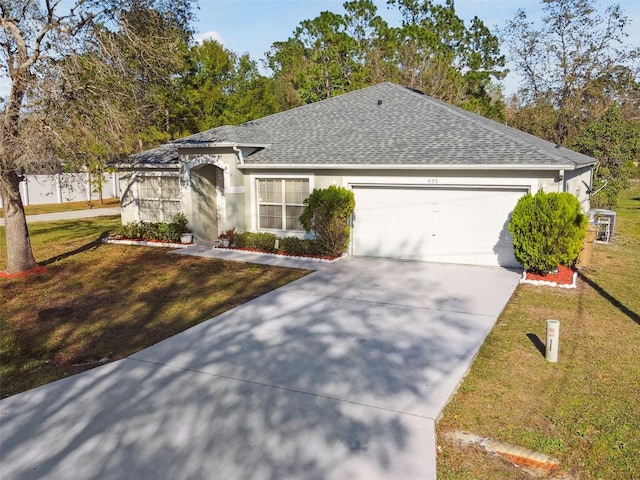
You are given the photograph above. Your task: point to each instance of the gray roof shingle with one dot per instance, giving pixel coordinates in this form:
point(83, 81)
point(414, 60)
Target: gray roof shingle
point(387, 125)
point(164, 155)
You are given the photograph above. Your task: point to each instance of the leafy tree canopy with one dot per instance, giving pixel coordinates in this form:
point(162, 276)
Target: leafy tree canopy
point(574, 64)
point(432, 50)
point(37, 36)
point(615, 142)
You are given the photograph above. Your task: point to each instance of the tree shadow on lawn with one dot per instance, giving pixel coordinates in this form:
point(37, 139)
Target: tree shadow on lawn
point(285, 386)
point(613, 300)
point(88, 246)
point(115, 301)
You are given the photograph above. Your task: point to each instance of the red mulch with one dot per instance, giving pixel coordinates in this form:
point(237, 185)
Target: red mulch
point(563, 277)
point(26, 273)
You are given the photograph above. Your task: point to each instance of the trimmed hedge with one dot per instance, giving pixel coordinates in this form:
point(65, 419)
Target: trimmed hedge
point(548, 230)
point(267, 242)
point(302, 247)
point(161, 231)
point(256, 240)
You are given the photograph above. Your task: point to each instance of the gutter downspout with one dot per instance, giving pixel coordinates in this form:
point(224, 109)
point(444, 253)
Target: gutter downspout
point(238, 152)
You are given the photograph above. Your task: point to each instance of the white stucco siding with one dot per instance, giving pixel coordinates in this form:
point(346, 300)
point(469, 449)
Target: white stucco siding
point(579, 182)
point(128, 207)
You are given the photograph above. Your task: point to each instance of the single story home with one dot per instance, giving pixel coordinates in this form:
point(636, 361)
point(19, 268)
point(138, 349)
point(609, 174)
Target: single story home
point(432, 182)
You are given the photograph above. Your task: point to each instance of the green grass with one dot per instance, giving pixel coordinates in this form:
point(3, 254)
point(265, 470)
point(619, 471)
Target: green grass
point(118, 300)
point(66, 207)
point(583, 410)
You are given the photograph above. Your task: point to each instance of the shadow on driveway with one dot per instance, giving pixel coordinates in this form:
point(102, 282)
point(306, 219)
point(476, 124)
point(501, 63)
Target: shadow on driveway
point(340, 374)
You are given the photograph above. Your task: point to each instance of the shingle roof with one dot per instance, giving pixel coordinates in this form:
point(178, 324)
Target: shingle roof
point(247, 133)
point(387, 125)
point(165, 155)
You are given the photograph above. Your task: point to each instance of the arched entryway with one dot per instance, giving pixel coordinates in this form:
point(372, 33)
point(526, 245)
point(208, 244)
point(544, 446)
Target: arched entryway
point(203, 180)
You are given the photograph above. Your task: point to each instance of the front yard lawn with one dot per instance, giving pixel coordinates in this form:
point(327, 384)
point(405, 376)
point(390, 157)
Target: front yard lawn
point(100, 301)
point(584, 410)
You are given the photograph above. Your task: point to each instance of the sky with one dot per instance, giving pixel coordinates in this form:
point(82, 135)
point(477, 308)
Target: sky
point(252, 26)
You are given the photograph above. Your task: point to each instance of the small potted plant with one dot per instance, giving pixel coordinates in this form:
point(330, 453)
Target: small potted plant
point(180, 221)
point(186, 236)
point(226, 237)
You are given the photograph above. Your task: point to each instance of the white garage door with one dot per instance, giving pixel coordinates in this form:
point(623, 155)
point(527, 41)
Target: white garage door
point(451, 225)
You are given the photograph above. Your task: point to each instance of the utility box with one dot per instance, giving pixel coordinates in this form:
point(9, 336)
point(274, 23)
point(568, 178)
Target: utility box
point(605, 220)
point(553, 340)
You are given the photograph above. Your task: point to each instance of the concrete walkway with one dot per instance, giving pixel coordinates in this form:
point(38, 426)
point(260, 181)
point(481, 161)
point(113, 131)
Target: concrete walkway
point(70, 215)
point(341, 374)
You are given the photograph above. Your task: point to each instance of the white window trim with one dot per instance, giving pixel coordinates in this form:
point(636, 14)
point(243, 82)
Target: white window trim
point(253, 193)
point(138, 198)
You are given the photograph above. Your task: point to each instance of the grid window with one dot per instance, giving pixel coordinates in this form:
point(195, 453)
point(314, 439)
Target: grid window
point(293, 214)
point(271, 217)
point(280, 203)
point(149, 187)
point(158, 198)
point(170, 187)
point(149, 210)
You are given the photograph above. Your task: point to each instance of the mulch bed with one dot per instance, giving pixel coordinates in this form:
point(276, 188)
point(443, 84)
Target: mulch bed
point(146, 243)
point(564, 278)
point(279, 253)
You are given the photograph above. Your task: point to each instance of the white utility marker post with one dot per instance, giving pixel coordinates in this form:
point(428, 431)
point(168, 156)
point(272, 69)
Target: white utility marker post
point(553, 340)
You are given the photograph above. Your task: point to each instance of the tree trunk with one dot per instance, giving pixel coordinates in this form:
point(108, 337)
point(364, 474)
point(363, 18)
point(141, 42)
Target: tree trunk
point(19, 253)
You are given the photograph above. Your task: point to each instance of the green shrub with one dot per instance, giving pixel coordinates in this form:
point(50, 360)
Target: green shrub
point(548, 230)
point(256, 240)
point(164, 232)
point(294, 246)
point(317, 248)
point(167, 232)
point(298, 246)
point(180, 222)
point(131, 230)
point(241, 239)
point(327, 212)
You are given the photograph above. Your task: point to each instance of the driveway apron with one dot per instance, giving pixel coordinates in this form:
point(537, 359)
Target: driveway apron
point(340, 374)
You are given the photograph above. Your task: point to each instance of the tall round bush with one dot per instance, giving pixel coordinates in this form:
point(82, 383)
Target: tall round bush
point(548, 230)
point(327, 212)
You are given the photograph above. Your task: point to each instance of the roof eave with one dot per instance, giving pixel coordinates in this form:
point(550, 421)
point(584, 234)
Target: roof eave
point(221, 145)
point(146, 166)
point(342, 166)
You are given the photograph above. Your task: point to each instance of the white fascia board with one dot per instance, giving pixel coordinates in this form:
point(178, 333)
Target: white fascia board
point(146, 166)
point(342, 166)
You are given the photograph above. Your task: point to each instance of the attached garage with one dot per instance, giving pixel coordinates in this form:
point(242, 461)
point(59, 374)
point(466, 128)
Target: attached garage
point(452, 224)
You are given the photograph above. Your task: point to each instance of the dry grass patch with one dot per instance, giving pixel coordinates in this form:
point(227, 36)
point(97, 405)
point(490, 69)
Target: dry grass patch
point(582, 410)
point(108, 301)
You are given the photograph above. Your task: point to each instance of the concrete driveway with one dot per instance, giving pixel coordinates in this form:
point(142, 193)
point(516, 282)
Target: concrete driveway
point(340, 374)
